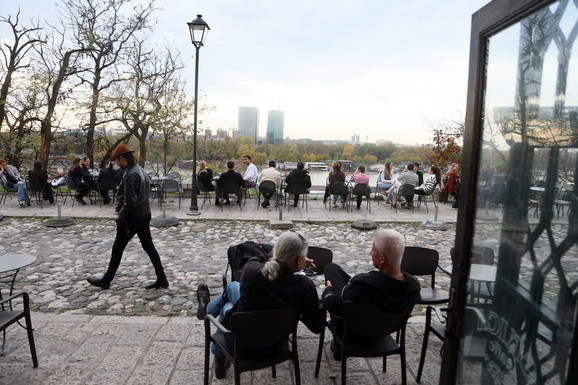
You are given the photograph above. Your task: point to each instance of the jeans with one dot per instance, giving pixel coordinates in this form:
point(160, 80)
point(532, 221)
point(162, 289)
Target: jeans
point(221, 305)
point(124, 233)
point(22, 192)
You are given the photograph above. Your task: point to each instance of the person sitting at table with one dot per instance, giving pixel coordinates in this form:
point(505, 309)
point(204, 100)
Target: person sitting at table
point(264, 286)
point(418, 172)
point(205, 176)
point(87, 176)
point(41, 176)
point(13, 181)
point(428, 186)
point(111, 176)
point(335, 175)
point(273, 175)
point(452, 185)
point(251, 174)
point(385, 179)
point(360, 177)
point(407, 176)
point(388, 288)
point(230, 175)
point(298, 175)
point(82, 188)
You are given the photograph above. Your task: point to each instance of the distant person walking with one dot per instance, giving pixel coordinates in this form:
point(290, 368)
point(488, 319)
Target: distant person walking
point(134, 216)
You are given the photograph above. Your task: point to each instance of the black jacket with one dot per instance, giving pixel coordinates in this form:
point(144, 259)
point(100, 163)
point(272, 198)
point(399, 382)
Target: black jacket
point(206, 176)
point(288, 290)
point(298, 175)
point(228, 176)
point(387, 293)
point(133, 194)
point(109, 174)
point(76, 175)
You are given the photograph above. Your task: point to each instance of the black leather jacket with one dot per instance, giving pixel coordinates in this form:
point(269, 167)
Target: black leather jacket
point(133, 194)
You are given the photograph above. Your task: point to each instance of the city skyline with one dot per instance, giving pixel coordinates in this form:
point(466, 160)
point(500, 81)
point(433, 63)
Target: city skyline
point(381, 70)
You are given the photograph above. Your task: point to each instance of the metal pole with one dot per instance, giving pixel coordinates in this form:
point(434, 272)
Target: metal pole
point(194, 209)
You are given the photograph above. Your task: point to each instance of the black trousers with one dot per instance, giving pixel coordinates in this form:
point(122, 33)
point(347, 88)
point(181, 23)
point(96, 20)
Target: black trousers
point(124, 233)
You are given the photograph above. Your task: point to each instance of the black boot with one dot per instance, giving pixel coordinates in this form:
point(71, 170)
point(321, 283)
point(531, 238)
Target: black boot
point(99, 282)
point(159, 283)
point(221, 366)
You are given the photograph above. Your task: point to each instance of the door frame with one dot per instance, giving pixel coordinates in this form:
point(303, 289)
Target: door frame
point(489, 20)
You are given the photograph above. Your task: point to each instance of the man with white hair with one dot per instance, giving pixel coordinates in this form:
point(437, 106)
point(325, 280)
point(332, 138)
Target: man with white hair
point(388, 287)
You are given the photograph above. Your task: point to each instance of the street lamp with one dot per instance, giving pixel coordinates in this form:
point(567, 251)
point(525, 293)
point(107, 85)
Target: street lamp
point(199, 30)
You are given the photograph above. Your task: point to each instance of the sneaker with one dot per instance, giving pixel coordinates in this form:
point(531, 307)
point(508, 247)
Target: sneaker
point(204, 297)
point(221, 366)
point(335, 205)
point(21, 204)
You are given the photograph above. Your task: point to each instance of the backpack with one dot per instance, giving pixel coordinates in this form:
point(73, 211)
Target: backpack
point(238, 256)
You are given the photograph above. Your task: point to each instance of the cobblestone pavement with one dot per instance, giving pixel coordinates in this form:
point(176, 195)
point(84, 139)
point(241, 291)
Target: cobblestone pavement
point(192, 252)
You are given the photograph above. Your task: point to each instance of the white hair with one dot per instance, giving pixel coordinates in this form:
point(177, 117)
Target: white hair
point(391, 244)
point(289, 246)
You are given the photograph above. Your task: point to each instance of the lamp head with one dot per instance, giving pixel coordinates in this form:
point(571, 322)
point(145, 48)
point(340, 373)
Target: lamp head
point(199, 30)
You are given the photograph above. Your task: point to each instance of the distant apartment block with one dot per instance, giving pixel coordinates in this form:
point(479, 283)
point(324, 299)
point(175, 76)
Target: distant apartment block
point(275, 126)
point(249, 122)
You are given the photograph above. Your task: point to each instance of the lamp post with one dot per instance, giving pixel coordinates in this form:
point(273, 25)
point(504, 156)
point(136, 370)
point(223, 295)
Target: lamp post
point(199, 30)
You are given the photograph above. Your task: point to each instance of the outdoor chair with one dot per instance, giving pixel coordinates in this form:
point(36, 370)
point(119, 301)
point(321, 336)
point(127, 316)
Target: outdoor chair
point(230, 187)
point(421, 261)
point(321, 257)
point(71, 187)
point(561, 202)
point(35, 189)
point(363, 190)
point(245, 190)
point(423, 197)
point(8, 316)
point(366, 333)
point(268, 187)
point(480, 291)
point(176, 176)
point(203, 190)
point(6, 191)
point(107, 185)
point(406, 192)
point(170, 186)
point(341, 189)
point(255, 340)
point(297, 188)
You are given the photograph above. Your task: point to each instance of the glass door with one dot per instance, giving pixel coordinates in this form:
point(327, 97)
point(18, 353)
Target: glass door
point(513, 310)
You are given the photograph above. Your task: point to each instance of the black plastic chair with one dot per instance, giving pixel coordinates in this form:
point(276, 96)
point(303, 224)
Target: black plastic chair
point(268, 187)
point(321, 257)
point(9, 317)
point(255, 340)
point(203, 190)
point(71, 187)
point(421, 261)
point(244, 191)
point(341, 189)
point(297, 188)
point(230, 187)
point(406, 191)
point(423, 197)
point(34, 187)
point(6, 191)
point(363, 190)
point(371, 329)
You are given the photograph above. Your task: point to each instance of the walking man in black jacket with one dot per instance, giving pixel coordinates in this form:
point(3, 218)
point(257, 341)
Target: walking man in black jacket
point(388, 288)
point(134, 216)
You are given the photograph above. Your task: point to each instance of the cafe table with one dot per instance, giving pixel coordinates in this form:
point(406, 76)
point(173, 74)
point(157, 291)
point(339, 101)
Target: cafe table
point(10, 265)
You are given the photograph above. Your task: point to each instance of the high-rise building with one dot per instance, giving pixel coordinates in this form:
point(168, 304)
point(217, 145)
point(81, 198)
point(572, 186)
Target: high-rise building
point(249, 122)
point(275, 126)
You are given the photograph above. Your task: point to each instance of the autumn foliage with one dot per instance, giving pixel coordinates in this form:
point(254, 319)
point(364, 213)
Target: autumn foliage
point(447, 145)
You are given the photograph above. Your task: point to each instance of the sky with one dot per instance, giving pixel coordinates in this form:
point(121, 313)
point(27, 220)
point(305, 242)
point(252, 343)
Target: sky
point(381, 69)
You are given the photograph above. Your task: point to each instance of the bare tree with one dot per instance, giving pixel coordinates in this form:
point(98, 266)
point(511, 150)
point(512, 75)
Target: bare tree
point(103, 29)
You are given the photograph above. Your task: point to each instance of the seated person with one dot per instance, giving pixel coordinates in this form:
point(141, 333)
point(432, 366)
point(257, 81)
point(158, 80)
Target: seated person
point(336, 175)
point(231, 174)
point(428, 186)
point(273, 175)
point(419, 173)
point(13, 181)
point(406, 177)
point(87, 176)
point(360, 177)
point(82, 188)
point(205, 175)
point(41, 176)
point(298, 175)
point(387, 288)
point(452, 185)
point(385, 179)
point(111, 176)
point(268, 285)
point(251, 174)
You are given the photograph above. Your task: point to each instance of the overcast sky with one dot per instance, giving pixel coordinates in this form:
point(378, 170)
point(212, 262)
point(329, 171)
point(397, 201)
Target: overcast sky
point(379, 68)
